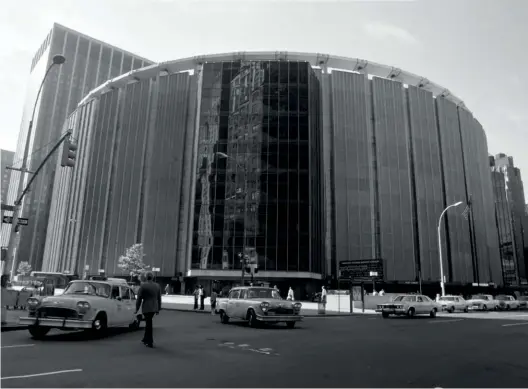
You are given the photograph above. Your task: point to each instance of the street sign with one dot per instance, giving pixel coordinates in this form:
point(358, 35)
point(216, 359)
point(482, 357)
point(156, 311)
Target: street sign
point(6, 207)
point(361, 270)
point(156, 269)
point(21, 221)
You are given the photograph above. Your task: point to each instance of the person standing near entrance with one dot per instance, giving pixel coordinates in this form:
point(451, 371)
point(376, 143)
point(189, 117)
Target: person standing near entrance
point(213, 301)
point(149, 300)
point(201, 295)
point(291, 296)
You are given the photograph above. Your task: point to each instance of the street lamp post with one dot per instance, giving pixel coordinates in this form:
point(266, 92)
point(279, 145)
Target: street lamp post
point(243, 259)
point(57, 60)
point(442, 284)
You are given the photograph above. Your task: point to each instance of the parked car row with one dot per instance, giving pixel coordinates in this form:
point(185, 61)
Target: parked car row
point(413, 304)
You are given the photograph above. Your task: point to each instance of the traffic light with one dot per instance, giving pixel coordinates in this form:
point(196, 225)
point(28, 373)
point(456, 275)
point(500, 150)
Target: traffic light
point(69, 153)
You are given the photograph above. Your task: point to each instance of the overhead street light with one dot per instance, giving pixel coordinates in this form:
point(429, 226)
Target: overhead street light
point(57, 59)
point(442, 283)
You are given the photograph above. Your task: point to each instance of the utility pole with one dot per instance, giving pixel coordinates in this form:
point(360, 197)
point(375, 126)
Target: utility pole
point(57, 60)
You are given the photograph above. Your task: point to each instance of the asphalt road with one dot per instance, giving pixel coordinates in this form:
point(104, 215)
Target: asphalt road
point(195, 350)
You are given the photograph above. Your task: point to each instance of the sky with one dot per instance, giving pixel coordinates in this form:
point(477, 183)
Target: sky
point(478, 49)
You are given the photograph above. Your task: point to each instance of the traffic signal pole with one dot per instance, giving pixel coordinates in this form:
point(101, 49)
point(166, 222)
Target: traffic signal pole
point(18, 204)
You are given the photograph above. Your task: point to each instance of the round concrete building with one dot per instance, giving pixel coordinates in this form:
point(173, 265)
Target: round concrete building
point(297, 161)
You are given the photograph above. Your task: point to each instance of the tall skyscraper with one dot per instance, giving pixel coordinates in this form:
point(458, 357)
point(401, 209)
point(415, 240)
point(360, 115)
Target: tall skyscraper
point(511, 214)
point(7, 158)
point(89, 63)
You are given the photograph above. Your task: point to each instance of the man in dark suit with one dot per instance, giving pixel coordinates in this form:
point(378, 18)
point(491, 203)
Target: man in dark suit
point(149, 295)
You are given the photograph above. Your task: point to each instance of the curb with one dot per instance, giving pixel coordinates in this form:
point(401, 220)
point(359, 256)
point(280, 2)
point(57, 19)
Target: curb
point(305, 316)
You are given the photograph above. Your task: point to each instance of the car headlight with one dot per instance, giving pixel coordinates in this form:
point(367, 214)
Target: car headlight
point(32, 303)
point(297, 306)
point(264, 306)
point(83, 306)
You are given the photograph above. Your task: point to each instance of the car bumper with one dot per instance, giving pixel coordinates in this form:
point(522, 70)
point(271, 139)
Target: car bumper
point(55, 323)
point(279, 319)
point(392, 311)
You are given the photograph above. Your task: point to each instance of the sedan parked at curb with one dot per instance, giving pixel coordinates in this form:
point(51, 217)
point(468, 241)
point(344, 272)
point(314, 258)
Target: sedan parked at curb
point(410, 305)
point(482, 302)
point(452, 304)
point(507, 303)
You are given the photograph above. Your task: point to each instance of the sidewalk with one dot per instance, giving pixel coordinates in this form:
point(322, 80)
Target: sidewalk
point(186, 304)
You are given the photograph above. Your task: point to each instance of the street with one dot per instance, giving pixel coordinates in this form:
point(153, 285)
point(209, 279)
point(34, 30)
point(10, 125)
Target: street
point(195, 350)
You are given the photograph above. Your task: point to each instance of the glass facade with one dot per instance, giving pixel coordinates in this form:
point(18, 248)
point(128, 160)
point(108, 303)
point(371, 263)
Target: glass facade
point(258, 189)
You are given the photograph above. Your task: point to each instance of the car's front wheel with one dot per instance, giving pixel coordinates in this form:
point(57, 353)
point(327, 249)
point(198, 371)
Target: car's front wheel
point(433, 312)
point(224, 319)
point(290, 324)
point(410, 313)
point(99, 325)
point(384, 315)
point(252, 318)
point(451, 309)
point(38, 332)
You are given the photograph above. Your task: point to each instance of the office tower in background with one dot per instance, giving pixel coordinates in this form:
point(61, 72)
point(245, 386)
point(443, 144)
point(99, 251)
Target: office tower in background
point(89, 62)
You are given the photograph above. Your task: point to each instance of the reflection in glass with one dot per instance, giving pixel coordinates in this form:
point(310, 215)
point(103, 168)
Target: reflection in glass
point(258, 156)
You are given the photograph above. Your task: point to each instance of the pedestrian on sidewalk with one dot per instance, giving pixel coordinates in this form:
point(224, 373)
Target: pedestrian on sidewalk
point(167, 289)
point(149, 300)
point(291, 296)
point(201, 294)
point(196, 295)
point(213, 302)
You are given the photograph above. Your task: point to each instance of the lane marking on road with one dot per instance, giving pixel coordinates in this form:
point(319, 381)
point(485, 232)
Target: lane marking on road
point(246, 347)
point(372, 318)
point(42, 374)
point(515, 324)
point(18, 345)
point(445, 321)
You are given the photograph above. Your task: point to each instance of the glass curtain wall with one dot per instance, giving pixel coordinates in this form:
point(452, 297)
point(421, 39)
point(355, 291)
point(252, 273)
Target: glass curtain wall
point(257, 181)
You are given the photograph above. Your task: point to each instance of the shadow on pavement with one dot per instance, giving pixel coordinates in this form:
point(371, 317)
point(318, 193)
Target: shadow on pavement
point(271, 327)
point(82, 336)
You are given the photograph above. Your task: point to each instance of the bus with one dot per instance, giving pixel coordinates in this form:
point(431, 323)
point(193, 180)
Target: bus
point(59, 280)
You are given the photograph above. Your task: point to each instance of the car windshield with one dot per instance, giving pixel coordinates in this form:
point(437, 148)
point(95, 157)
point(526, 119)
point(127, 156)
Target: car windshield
point(91, 288)
point(479, 297)
point(447, 298)
point(403, 298)
point(263, 293)
point(502, 298)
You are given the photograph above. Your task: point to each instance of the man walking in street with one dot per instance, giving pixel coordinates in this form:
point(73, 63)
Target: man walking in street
point(149, 295)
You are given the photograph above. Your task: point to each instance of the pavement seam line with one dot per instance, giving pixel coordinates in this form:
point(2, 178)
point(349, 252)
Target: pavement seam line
point(515, 324)
point(18, 345)
point(42, 374)
point(445, 321)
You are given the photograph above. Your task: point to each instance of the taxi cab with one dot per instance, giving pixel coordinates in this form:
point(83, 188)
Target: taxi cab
point(85, 305)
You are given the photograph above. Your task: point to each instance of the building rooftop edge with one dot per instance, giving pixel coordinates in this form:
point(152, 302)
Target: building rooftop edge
point(315, 59)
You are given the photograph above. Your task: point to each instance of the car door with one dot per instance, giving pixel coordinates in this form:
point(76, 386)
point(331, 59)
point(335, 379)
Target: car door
point(242, 304)
point(129, 305)
point(232, 303)
point(421, 306)
point(118, 315)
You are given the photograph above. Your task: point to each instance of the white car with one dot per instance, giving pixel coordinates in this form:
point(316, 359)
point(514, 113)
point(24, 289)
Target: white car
point(507, 302)
point(483, 302)
point(84, 305)
point(410, 305)
point(453, 303)
point(259, 305)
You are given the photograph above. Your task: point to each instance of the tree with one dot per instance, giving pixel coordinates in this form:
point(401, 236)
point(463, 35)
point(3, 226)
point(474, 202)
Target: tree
point(24, 268)
point(132, 261)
